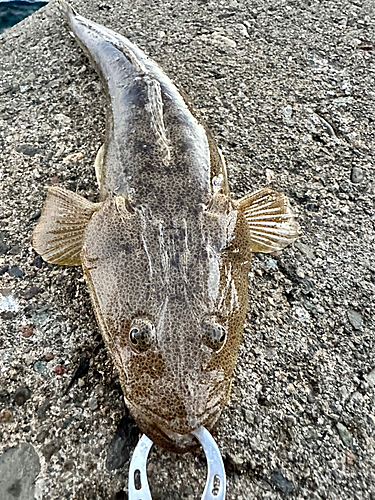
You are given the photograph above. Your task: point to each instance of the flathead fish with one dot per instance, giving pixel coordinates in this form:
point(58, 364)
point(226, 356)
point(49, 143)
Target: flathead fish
point(166, 252)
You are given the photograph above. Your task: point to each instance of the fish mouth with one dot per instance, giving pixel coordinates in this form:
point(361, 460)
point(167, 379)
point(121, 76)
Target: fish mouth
point(165, 434)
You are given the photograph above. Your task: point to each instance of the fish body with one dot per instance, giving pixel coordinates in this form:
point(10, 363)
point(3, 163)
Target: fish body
point(166, 253)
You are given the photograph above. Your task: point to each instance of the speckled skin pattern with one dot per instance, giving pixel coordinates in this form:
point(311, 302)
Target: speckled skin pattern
point(166, 254)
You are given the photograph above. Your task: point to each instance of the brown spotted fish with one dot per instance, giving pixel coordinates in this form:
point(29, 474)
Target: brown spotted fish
point(166, 253)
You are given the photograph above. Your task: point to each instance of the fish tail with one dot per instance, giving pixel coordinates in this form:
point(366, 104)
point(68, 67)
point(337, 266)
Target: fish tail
point(66, 9)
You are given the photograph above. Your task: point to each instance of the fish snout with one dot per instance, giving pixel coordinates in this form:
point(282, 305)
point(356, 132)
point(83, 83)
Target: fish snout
point(172, 432)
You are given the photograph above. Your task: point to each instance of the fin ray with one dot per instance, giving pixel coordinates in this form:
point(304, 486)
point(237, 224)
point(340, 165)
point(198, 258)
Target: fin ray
point(270, 220)
point(58, 236)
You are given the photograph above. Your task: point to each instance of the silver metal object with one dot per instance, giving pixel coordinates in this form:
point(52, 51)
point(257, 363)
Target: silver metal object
point(216, 481)
point(138, 485)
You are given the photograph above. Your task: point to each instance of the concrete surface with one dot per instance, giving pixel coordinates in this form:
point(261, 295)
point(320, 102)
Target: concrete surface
point(288, 89)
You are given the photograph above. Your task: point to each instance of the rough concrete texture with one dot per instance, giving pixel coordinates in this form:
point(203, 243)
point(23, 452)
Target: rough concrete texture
point(287, 87)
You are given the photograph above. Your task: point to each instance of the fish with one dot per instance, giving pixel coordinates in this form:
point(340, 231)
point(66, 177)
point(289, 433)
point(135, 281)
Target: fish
point(166, 251)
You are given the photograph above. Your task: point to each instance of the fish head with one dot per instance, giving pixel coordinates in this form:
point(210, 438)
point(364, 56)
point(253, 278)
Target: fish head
point(170, 298)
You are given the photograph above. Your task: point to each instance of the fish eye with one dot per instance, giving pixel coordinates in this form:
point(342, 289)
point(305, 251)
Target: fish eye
point(141, 334)
point(214, 333)
point(133, 335)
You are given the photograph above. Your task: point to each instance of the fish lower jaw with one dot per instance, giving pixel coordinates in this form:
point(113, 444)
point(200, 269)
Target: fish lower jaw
point(179, 441)
point(176, 438)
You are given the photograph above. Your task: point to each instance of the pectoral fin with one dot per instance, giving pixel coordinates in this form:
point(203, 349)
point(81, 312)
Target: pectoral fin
point(270, 220)
point(58, 236)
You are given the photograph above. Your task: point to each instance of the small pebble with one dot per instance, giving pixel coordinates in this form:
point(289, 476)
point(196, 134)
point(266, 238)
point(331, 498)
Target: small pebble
point(59, 370)
point(355, 319)
point(318, 220)
point(4, 396)
point(272, 264)
point(16, 272)
point(106, 410)
point(9, 304)
point(54, 180)
point(249, 416)
point(349, 457)
point(19, 468)
point(288, 112)
point(27, 149)
point(21, 395)
point(290, 389)
point(310, 398)
point(370, 377)
point(234, 462)
point(302, 314)
point(3, 248)
point(188, 490)
point(43, 408)
point(300, 273)
point(342, 101)
point(305, 250)
point(281, 482)
point(270, 175)
point(73, 157)
point(49, 356)
point(37, 262)
point(4, 270)
point(39, 366)
point(49, 449)
point(312, 207)
point(68, 465)
point(93, 404)
point(41, 436)
point(81, 382)
point(15, 250)
point(290, 421)
point(27, 331)
point(67, 422)
point(217, 37)
point(345, 435)
point(99, 389)
point(357, 175)
point(306, 286)
point(357, 396)
point(5, 416)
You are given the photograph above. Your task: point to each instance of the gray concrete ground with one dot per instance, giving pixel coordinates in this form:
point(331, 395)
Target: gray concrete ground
point(288, 89)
